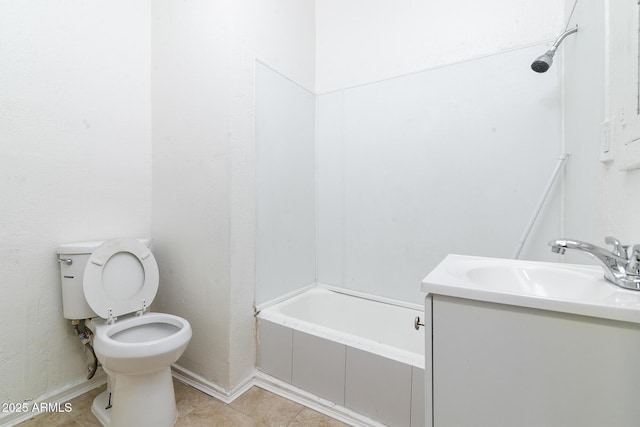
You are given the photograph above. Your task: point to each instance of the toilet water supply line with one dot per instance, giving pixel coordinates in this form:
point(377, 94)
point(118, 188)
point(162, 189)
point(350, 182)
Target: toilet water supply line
point(85, 338)
point(538, 208)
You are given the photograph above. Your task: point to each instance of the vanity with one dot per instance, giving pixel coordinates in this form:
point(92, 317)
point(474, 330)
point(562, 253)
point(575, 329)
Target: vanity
point(520, 343)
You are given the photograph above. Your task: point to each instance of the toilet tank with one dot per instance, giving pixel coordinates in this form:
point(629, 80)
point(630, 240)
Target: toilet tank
point(73, 258)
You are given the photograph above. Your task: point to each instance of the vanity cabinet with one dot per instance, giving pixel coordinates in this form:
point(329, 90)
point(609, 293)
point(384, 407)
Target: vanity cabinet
point(493, 364)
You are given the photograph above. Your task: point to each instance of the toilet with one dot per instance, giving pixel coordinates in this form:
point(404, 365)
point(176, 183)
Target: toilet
point(111, 285)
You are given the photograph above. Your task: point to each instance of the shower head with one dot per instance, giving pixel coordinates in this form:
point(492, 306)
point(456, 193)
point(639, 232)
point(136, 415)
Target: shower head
point(543, 62)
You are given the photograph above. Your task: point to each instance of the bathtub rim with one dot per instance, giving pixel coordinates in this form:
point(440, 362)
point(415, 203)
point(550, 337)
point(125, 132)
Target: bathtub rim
point(361, 343)
point(339, 290)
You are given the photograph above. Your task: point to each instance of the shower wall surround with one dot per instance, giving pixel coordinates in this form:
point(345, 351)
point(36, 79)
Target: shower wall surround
point(285, 185)
point(404, 171)
point(451, 160)
point(584, 113)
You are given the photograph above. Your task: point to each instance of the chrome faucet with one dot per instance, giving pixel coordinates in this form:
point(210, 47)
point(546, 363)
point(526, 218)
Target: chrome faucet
point(621, 265)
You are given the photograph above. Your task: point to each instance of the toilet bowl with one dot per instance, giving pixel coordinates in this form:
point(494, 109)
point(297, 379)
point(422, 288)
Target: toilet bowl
point(141, 344)
point(135, 347)
point(137, 353)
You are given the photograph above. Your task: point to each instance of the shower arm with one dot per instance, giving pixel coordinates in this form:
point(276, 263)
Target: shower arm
point(563, 36)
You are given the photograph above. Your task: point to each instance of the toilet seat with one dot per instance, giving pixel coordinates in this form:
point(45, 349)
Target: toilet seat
point(121, 277)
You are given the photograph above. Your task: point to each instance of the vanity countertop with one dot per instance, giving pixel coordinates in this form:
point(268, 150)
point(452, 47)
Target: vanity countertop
point(567, 288)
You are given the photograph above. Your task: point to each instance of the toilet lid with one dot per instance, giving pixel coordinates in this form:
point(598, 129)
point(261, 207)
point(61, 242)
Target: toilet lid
point(121, 277)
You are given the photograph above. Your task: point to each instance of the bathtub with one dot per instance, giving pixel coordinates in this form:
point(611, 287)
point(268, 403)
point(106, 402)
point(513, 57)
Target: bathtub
point(357, 358)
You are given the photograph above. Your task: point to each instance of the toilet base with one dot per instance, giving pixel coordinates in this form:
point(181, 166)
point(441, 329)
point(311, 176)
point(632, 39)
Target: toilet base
point(138, 400)
point(99, 408)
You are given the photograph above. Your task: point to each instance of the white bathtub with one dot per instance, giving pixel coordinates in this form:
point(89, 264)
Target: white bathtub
point(352, 352)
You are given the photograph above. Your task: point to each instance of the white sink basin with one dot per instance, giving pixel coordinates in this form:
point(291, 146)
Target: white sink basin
point(541, 281)
point(566, 288)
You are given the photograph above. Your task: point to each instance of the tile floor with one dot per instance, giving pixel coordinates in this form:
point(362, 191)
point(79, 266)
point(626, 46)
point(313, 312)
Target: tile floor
point(256, 407)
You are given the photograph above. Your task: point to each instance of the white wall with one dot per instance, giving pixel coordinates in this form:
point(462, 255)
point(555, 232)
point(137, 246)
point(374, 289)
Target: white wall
point(191, 177)
point(203, 219)
point(600, 82)
point(76, 165)
point(451, 160)
point(75, 112)
point(621, 176)
point(360, 41)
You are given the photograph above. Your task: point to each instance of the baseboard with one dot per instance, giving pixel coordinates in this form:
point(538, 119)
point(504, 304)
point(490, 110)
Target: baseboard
point(58, 396)
point(312, 401)
point(274, 385)
point(208, 387)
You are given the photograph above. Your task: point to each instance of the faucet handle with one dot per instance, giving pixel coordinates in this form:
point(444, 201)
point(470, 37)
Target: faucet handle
point(618, 249)
point(633, 267)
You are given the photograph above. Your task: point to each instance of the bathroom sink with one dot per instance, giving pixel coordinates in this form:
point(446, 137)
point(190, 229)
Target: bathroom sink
point(541, 281)
point(570, 288)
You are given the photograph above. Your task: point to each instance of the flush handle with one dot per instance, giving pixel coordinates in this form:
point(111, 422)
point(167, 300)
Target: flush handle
point(67, 261)
point(417, 323)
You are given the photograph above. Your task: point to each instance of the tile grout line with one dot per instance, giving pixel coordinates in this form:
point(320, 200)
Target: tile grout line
point(295, 416)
